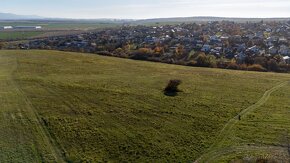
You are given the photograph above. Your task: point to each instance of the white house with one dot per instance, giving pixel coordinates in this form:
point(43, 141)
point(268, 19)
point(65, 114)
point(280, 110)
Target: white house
point(7, 27)
point(273, 50)
point(254, 49)
point(286, 59)
point(27, 27)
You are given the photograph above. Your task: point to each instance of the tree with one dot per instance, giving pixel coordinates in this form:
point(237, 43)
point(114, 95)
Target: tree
point(211, 59)
point(201, 60)
point(1, 45)
point(273, 65)
point(179, 50)
point(172, 87)
point(249, 60)
point(261, 61)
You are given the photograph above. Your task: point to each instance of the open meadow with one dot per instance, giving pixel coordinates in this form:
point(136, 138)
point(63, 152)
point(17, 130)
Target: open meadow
point(51, 28)
point(19, 35)
point(74, 107)
point(62, 24)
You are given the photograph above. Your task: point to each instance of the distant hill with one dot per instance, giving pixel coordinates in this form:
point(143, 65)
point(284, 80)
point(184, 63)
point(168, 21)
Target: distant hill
point(205, 19)
point(9, 16)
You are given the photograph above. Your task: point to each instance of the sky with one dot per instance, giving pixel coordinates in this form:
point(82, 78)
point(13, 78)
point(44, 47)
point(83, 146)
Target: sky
point(141, 9)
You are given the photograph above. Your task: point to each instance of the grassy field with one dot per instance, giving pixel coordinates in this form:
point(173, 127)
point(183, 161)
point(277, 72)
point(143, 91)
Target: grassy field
point(52, 28)
point(62, 25)
point(18, 35)
point(81, 107)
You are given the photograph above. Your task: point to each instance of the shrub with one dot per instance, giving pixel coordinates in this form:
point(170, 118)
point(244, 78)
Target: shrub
point(221, 63)
point(211, 59)
point(106, 53)
point(256, 67)
point(261, 61)
point(233, 66)
point(243, 67)
point(191, 63)
point(201, 60)
point(273, 65)
point(283, 67)
point(139, 56)
point(1, 45)
point(172, 87)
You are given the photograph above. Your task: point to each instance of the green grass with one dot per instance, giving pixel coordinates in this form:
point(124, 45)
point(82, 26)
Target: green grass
point(94, 108)
point(17, 35)
point(267, 128)
point(62, 25)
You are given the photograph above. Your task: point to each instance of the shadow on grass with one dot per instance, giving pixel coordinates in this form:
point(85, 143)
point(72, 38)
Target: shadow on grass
point(170, 93)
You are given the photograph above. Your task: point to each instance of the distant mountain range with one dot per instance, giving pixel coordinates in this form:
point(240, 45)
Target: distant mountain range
point(9, 16)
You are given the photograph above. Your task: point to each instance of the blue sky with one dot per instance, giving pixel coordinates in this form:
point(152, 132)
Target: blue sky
point(139, 9)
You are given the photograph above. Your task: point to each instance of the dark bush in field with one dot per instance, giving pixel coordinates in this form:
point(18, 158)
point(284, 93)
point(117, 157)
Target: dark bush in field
point(172, 87)
point(257, 67)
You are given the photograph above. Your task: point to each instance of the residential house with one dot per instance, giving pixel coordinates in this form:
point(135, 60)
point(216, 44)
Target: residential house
point(286, 59)
point(206, 48)
point(284, 50)
point(273, 50)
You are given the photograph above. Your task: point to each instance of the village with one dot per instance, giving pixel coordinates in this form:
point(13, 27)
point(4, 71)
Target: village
point(257, 46)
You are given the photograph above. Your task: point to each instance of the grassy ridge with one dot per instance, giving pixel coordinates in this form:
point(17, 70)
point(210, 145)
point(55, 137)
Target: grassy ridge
point(108, 109)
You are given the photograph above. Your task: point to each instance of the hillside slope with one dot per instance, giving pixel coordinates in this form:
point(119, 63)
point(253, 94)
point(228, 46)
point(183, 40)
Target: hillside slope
point(22, 136)
point(93, 108)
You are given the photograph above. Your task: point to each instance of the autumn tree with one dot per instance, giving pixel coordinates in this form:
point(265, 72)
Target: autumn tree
point(201, 60)
point(179, 50)
point(206, 61)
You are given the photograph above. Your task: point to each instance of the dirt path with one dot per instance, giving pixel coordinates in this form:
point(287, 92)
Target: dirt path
point(283, 153)
point(215, 148)
point(22, 136)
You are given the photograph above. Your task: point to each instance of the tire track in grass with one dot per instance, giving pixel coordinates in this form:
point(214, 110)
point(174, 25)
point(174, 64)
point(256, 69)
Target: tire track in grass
point(54, 154)
point(15, 139)
point(238, 149)
point(214, 148)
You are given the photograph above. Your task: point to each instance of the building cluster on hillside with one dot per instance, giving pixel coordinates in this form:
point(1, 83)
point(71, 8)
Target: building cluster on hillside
point(181, 44)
